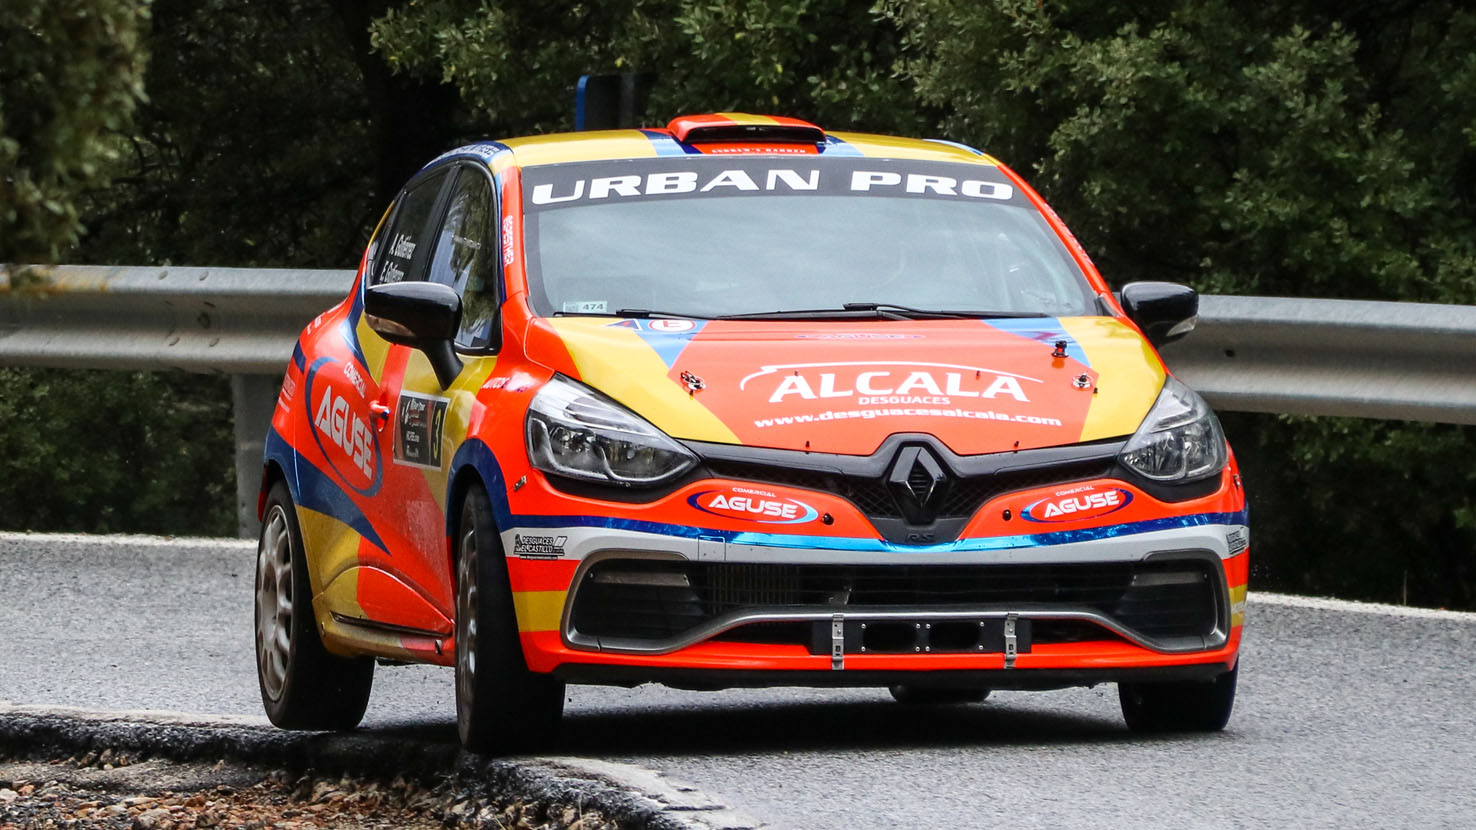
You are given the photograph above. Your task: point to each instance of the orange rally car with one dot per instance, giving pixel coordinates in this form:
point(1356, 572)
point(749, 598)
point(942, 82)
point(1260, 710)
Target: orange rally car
point(742, 402)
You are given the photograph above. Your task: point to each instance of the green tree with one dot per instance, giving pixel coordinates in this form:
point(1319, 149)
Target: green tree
point(516, 63)
point(71, 73)
point(1296, 149)
point(111, 452)
point(1299, 149)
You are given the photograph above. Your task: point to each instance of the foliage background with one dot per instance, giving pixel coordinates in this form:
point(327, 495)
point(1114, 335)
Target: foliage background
point(1301, 148)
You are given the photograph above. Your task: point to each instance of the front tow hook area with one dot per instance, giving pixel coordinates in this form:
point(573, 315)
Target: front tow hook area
point(1009, 635)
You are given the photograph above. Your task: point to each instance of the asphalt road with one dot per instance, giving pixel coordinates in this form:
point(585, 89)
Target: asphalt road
point(1348, 716)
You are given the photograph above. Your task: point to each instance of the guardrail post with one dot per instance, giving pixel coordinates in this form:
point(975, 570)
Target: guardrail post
point(253, 397)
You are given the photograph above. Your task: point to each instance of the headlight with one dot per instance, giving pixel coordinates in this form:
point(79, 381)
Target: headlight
point(575, 431)
point(1180, 440)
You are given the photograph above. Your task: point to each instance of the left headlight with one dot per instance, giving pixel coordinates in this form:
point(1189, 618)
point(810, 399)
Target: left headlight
point(575, 431)
point(1180, 440)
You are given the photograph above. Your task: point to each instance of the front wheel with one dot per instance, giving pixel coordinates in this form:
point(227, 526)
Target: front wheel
point(302, 685)
point(501, 706)
point(1184, 706)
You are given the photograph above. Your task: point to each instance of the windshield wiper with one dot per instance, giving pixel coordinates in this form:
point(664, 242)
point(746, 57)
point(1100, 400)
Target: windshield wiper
point(641, 313)
point(884, 311)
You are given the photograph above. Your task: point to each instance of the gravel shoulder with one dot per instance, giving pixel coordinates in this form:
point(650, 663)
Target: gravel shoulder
point(144, 771)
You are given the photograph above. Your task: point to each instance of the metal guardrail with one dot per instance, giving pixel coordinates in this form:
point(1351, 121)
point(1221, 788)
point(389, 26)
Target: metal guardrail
point(1405, 361)
point(230, 320)
point(238, 321)
point(1253, 354)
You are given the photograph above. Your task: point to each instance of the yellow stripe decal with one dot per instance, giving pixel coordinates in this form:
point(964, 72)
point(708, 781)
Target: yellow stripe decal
point(880, 146)
point(334, 546)
point(747, 118)
point(1237, 605)
point(618, 362)
point(375, 348)
point(590, 146)
point(1130, 372)
point(539, 610)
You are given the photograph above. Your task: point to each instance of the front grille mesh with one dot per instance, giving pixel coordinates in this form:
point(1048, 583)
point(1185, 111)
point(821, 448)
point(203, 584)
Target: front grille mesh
point(1158, 600)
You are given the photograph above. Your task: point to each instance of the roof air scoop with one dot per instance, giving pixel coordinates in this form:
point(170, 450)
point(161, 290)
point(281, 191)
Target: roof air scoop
point(739, 127)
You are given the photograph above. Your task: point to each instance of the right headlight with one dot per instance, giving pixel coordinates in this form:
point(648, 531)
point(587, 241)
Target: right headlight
point(575, 431)
point(1180, 440)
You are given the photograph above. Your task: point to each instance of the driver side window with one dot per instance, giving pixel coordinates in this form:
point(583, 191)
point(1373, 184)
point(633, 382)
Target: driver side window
point(402, 252)
point(467, 257)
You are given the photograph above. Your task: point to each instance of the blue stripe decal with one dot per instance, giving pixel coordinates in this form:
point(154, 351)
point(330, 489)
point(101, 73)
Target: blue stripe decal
point(782, 540)
point(667, 344)
point(483, 151)
point(278, 450)
point(667, 146)
point(318, 491)
point(835, 147)
point(474, 453)
point(348, 332)
point(1045, 332)
point(954, 144)
point(298, 358)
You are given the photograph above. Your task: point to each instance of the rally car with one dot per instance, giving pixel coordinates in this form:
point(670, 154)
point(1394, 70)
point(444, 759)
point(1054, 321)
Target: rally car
point(740, 402)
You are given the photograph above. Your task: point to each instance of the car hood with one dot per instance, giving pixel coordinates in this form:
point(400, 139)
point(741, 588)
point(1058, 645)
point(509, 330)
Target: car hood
point(843, 387)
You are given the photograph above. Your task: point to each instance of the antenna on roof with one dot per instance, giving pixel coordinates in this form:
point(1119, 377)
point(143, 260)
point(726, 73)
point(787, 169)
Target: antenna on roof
point(612, 102)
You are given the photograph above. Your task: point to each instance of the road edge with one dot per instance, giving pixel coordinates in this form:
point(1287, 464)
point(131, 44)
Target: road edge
point(632, 796)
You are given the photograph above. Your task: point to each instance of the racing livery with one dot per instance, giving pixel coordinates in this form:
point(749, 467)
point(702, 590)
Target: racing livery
point(742, 402)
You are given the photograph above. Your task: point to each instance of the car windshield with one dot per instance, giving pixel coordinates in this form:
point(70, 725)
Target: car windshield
point(818, 237)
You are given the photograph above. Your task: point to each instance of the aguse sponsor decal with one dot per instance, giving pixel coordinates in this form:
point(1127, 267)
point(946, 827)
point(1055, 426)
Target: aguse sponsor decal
point(1077, 504)
point(341, 426)
point(754, 505)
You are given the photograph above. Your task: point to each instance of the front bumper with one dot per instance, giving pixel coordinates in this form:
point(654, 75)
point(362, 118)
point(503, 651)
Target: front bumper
point(618, 606)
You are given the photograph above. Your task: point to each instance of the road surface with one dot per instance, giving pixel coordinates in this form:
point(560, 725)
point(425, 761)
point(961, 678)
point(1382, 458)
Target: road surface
point(1348, 716)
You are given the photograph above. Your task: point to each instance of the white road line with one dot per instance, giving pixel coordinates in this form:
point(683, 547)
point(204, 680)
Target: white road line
point(127, 539)
point(161, 717)
point(1325, 604)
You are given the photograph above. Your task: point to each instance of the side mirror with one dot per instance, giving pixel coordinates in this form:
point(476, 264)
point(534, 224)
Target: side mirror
point(423, 315)
point(1165, 311)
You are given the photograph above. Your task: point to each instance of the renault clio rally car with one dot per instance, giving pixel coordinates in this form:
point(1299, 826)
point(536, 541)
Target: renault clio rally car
point(742, 402)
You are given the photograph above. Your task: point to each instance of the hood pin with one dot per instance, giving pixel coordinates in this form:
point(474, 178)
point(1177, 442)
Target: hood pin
point(1060, 352)
point(692, 382)
point(1082, 381)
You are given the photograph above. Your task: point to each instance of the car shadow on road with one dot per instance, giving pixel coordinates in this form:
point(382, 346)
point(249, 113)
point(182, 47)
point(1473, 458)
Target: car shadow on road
point(825, 725)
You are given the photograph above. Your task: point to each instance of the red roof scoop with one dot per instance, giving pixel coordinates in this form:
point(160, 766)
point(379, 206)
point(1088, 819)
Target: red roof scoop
point(739, 126)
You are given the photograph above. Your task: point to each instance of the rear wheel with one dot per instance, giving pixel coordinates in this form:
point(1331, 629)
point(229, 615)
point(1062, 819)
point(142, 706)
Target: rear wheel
point(501, 706)
point(302, 685)
point(932, 696)
point(1185, 706)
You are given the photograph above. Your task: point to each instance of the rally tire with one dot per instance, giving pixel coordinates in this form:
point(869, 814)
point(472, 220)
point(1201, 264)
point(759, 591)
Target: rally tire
point(502, 708)
point(934, 696)
point(1186, 706)
point(303, 686)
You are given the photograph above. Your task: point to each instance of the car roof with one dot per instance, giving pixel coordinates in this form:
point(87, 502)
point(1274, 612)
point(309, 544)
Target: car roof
point(711, 134)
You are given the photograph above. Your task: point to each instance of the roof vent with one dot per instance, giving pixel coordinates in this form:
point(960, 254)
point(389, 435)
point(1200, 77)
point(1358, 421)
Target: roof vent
point(742, 127)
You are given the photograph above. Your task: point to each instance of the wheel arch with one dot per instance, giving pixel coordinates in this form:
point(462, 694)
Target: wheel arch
point(474, 464)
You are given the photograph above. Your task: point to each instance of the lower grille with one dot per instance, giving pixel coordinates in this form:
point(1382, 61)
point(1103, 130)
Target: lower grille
point(654, 600)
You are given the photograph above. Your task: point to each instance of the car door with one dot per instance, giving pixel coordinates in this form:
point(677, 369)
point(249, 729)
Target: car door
point(426, 422)
point(397, 583)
